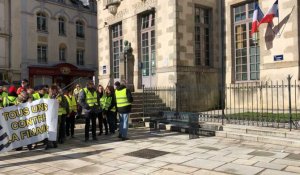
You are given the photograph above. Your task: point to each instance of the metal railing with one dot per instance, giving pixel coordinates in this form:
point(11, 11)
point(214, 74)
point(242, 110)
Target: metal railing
point(266, 104)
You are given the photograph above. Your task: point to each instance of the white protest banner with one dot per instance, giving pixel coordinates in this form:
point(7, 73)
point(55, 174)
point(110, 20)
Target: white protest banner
point(28, 123)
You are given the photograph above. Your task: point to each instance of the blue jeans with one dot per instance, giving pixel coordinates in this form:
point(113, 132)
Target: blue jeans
point(123, 126)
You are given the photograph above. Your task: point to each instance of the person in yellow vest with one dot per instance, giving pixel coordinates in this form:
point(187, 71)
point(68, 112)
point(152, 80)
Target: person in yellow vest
point(123, 101)
point(89, 100)
point(40, 93)
point(23, 97)
point(70, 120)
point(62, 113)
point(3, 94)
point(109, 108)
point(10, 99)
point(76, 91)
point(102, 118)
point(62, 110)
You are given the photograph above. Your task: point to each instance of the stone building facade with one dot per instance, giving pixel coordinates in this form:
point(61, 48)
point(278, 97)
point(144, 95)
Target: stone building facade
point(257, 69)
point(5, 38)
point(173, 42)
point(279, 38)
point(52, 41)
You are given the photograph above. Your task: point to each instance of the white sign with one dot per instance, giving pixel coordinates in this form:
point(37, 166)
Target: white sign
point(28, 123)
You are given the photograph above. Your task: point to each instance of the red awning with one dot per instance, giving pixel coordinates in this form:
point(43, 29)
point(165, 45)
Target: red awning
point(60, 70)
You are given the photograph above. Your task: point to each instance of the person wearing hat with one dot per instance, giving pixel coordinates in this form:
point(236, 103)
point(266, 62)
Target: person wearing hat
point(123, 100)
point(40, 93)
point(10, 99)
point(89, 100)
point(24, 86)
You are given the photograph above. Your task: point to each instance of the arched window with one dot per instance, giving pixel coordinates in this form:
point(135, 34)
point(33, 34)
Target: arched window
point(41, 22)
point(79, 29)
point(62, 53)
point(61, 26)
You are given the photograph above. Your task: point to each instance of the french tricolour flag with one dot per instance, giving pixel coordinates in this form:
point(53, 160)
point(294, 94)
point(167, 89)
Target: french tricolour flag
point(273, 12)
point(257, 17)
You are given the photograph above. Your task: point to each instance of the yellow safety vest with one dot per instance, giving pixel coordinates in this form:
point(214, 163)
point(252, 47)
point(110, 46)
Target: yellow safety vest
point(36, 96)
point(4, 94)
point(106, 102)
point(61, 110)
point(121, 98)
point(72, 103)
point(91, 99)
point(9, 101)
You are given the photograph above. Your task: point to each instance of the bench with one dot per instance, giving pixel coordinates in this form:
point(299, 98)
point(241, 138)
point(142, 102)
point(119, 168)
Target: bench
point(176, 121)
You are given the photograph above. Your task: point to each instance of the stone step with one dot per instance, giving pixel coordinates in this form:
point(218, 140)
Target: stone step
point(180, 128)
point(140, 105)
point(263, 131)
point(136, 110)
point(149, 101)
point(259, 138)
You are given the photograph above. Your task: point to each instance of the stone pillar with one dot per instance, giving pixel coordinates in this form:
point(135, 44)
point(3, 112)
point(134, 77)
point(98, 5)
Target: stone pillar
point(122, 69)
point(129, 71)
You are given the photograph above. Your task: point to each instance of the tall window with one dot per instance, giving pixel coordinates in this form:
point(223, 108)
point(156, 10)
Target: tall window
point(80, 57)
point(93, 6)
point(148, 44)
point(247, 58)
point(41, 22)
point(62, 53)
point(61, 26)
point(117, 47)
point(42, 54)
point(202, 36)
point(79, 29)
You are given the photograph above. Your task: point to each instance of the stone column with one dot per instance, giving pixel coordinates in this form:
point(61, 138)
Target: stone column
point(129, 71)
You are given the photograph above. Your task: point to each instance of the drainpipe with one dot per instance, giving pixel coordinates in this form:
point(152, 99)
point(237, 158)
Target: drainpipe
point(177, 56)
point(221, 54)
point(10, 35)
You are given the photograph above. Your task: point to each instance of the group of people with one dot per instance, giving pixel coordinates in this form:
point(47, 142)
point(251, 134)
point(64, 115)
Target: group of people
point(92, 102)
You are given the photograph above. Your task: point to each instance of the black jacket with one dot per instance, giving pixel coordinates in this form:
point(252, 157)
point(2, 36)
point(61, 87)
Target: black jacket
point(125, 109)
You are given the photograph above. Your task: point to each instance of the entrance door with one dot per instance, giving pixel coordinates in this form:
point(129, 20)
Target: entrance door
point(148, 49)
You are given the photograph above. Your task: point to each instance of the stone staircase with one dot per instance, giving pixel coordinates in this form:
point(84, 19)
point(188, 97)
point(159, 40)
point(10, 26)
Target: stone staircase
point(152, 104)
point(276, 136)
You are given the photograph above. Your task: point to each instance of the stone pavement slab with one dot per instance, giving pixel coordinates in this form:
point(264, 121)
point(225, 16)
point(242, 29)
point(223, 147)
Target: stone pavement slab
point(203, 156)
point(207, 172)
point(239, 169)
point(276, 172)
point(245, 162)
point(205, 164)
point(293, 169)
point(94, 169)
point(273, 166)
point(180, 168)
point(166, 172)
point(145, 169)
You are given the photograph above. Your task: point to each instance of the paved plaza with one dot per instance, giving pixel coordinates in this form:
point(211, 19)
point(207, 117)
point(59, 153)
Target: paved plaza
point(154, 153)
